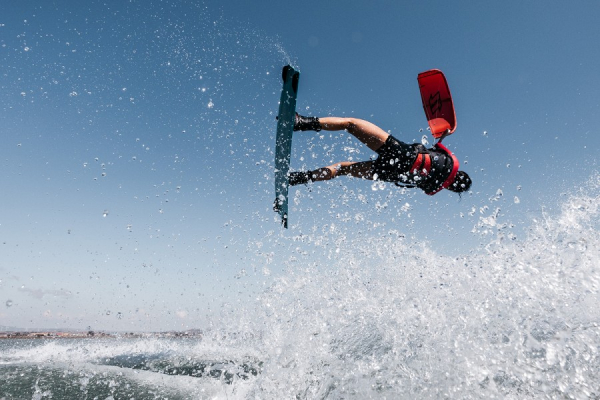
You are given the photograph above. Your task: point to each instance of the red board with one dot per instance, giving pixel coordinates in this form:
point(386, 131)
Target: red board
point(437, 103)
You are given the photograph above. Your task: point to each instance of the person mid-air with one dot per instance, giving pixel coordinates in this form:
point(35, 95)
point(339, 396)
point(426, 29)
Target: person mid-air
point(407, 165)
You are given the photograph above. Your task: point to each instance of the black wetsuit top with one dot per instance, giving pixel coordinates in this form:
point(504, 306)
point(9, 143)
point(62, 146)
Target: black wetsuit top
point(396, 159)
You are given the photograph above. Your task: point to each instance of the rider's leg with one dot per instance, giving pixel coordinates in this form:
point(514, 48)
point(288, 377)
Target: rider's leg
point(370, 134)
point(357, 169)
point(362, 169)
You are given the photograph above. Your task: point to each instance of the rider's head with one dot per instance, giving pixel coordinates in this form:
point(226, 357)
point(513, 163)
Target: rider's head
point(461, 183)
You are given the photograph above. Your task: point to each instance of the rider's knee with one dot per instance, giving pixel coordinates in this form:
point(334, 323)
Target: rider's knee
point(330, 172)
point(351, 123)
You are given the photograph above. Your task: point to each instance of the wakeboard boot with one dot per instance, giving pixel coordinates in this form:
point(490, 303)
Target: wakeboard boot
point(306, 123)
point(299, 178)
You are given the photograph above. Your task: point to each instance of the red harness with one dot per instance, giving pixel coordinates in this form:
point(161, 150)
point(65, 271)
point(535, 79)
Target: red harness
point(422, 166)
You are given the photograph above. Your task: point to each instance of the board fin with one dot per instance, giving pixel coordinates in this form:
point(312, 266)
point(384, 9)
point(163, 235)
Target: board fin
point(437, 103)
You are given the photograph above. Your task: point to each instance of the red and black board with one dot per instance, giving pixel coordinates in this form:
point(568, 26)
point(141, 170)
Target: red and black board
point(437, 103)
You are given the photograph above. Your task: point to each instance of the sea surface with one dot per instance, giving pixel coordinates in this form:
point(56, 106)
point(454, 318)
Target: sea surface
point(515, 319)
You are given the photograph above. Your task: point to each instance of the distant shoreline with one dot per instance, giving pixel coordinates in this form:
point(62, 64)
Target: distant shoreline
point(96, 335)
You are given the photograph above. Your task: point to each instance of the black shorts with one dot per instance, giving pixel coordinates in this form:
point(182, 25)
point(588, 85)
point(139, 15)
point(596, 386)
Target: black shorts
point(395, 160)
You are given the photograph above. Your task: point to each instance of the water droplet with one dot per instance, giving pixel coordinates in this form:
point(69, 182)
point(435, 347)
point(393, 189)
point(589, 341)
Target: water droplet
point(424, 141)
point(210, 104)
point(9, 303)
point(378, 185)
point(517, 201)
point(241, 274)
point(105, 213)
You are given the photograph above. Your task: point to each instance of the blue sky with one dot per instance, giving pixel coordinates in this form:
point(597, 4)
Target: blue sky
point(138, 141)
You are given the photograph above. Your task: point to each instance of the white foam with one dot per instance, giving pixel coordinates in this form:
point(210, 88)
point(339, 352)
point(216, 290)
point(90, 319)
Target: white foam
point(391, 318)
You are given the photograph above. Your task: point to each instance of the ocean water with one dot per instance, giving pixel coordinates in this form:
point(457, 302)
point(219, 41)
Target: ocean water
point(388, 319)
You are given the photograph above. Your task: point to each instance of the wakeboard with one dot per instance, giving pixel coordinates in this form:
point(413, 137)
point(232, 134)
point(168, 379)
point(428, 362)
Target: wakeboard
point(283, 141)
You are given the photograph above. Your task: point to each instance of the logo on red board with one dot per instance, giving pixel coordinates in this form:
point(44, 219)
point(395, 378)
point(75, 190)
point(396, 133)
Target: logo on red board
point(435, 103)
